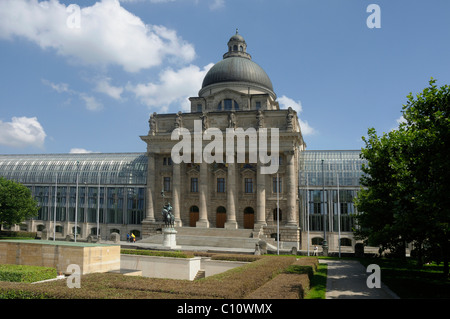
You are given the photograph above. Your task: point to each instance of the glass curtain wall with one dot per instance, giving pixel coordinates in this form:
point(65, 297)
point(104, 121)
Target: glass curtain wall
point(321, 175)
point(120, 176)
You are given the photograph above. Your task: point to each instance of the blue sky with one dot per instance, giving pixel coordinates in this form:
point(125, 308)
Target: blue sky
point(89, 85)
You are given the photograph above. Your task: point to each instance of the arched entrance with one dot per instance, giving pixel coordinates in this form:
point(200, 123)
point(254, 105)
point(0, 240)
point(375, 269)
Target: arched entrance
point(193, 216)
point(249, 218)
point(221, 217)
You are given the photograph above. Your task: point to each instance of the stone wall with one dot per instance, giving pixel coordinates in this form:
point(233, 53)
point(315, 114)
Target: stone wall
point(90, 258)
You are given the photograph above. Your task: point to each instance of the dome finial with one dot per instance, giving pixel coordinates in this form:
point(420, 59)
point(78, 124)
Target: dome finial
point(236, 30)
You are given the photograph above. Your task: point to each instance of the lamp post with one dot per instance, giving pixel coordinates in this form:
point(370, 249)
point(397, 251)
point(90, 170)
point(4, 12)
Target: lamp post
point(76, 206)
point(324, 244)
point(54, 217)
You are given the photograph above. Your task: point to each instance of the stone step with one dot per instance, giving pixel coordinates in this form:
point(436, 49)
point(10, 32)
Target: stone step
point(215, 232)
point(200, 274)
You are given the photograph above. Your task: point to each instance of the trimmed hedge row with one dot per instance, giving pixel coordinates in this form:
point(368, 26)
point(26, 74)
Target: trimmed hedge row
point(17, 234)
point(24, 273)
point(143, 252)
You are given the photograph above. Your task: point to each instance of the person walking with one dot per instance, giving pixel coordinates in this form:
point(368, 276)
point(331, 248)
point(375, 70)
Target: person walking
point(316, 250)
point(133, 238)
point(128, 237)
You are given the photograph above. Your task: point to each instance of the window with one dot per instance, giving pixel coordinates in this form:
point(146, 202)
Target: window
point(167, 184)
point(199, 107)
point(221, 185)
point(276, 189)
point(248, 185)
point(227, 105)
point(167, 161)
point(194, 185)
point(258, 105)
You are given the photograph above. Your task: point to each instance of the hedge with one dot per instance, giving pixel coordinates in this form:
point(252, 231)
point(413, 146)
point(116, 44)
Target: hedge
point(144, 252)
point(24, 273)
point(17, 234)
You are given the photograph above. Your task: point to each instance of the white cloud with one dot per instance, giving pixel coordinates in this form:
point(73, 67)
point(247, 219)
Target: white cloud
point(400, 120)
point(107, 34)
point(91, 103)
point(217, 4)
point(174, 86)
point(104, 86)
point(286, 102)
point(80, 151)
point(22, 132)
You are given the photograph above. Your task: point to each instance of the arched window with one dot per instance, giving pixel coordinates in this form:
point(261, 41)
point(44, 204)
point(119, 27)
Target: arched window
point(235, 47)
point(317, 241)
point(228, 105)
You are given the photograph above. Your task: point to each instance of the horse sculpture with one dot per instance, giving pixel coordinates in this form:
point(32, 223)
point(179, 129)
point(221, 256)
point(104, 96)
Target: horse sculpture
point(169, 218)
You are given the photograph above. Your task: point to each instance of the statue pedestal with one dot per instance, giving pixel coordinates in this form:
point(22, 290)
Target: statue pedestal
point(170, 237)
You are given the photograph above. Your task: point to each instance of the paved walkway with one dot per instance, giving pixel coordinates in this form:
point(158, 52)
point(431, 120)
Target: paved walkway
point(347, 280)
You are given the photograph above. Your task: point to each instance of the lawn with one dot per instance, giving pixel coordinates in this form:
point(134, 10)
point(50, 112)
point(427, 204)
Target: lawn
point(409, 281)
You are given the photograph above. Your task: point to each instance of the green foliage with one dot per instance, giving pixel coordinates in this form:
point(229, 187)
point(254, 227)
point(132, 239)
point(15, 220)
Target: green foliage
point(16, 203)
point(9, 234)
point(406, 186)
point(23, 273)
point(143, 252)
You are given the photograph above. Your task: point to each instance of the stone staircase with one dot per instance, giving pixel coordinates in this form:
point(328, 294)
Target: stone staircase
point(200, 274)
point(210, 237)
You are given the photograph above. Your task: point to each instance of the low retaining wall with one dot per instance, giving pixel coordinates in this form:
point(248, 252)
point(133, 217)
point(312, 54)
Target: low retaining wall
point(57, 254)
point(162, 267)
point(175, 268)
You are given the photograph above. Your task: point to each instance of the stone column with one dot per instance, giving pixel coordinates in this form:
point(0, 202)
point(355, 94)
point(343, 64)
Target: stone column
point(291, 189)
point(260, 198)
point(176, 176)
point(231, 197)
point(149, 209)
point(203, 196)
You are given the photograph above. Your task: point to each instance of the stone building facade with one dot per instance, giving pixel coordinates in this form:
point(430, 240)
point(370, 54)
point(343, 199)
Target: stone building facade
point(226, 190)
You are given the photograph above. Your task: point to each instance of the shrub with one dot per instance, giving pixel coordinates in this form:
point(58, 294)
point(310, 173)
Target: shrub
point(24, 273)
point(143, 252)
point(17, 234)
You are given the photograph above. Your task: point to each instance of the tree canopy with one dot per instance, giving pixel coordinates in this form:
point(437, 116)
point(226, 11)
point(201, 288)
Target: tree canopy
point(16, 203)
point(406, 187)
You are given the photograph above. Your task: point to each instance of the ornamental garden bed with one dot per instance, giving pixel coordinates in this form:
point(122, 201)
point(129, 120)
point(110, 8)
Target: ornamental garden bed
point(237, 283)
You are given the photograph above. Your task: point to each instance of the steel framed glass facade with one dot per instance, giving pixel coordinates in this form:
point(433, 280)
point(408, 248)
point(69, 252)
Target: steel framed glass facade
point(111, 187)
point(322, 174)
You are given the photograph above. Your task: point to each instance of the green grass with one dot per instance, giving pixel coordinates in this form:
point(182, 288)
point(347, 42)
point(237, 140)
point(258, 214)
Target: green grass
point(409, 281)
point(318, 283)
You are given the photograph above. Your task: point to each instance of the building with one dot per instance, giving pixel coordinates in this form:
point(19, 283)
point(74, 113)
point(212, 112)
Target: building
point(212, 164)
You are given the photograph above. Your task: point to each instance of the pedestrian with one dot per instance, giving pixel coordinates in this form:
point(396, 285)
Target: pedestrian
point(133, 237)
point(128, 237)
point(316, 250)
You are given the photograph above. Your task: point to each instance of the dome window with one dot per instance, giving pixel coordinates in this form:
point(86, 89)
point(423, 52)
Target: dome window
point(228, 105)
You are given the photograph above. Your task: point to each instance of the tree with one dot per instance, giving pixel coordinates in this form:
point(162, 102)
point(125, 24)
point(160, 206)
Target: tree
point(16, 203)
point(407, 182)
